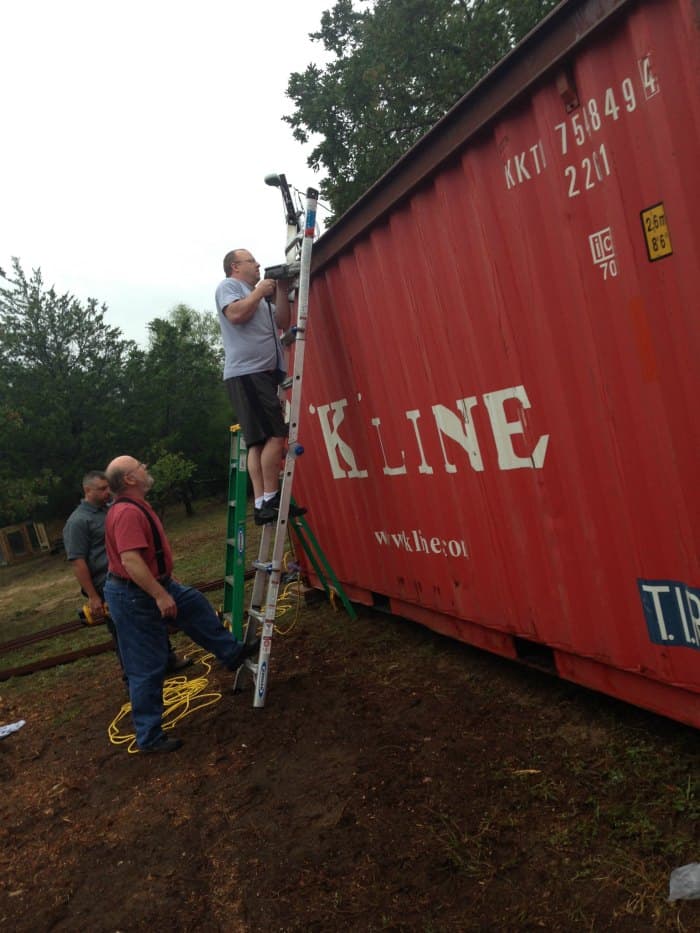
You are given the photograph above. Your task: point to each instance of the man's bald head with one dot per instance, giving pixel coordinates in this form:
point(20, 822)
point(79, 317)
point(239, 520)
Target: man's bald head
point(119, 472)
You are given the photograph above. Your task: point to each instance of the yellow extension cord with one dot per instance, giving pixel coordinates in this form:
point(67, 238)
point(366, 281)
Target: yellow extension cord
point(183, 696)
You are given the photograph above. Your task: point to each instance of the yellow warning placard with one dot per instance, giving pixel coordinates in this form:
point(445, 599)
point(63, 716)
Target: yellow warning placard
point(656, 232)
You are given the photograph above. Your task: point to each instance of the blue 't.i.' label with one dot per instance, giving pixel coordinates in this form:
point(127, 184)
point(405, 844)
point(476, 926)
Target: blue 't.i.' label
point(672, 612)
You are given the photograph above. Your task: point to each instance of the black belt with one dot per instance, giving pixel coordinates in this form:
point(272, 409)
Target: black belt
point(127, 580)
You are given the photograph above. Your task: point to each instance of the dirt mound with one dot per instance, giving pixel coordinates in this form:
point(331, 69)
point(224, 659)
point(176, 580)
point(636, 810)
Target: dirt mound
point(395, 780)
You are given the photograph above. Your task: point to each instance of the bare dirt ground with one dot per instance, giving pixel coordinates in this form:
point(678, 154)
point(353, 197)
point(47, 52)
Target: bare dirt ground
point(395, 780)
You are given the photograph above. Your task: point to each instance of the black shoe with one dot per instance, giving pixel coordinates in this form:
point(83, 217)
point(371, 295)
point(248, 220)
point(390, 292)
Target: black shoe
point(270, 510)
point(248, 650)
point(164, 743)
point(176, 664)
point(256, 516)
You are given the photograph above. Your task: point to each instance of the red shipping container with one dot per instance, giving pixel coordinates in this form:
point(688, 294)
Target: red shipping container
point(500, 409)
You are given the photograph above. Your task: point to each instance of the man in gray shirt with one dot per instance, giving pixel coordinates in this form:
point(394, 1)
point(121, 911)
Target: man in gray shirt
point(84, 540)
point(254, 366)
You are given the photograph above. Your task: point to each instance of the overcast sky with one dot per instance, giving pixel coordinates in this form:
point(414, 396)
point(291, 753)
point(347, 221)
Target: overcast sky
point(136, 137)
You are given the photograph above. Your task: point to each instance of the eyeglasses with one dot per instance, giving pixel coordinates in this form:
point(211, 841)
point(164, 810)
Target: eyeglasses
point(239, 261)
point(144, 465)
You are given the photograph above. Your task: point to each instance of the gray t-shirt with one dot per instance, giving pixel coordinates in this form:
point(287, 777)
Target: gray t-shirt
point(84, 536)
point(252, 347)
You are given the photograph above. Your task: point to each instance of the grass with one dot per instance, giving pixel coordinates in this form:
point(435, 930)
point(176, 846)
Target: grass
point(465, 853)
point(43, 682)
point(60, 644)
point(36, 595)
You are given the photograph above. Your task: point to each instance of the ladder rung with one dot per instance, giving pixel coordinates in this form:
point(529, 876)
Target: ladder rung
point(256, 614)
point(265, 565)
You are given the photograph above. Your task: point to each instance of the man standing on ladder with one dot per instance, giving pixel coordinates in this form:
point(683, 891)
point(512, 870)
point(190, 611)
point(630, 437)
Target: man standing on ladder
point(254, 367)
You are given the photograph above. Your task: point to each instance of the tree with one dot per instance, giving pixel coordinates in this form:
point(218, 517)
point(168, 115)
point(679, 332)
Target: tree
point(397, 68)
point(20, 498)
point(19, 495)
point(74, 394)
point(62, 393)
point(172, 475)
point(202, 326)
point(179, 403)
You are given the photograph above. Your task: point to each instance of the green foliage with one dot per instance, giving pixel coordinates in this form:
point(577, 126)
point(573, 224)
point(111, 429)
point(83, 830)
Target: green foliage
point(396, 69)
point(20, 498)
point(74, 394)
point(171, 473)
point(201, 326)
point(61, 392)
point(179, 402)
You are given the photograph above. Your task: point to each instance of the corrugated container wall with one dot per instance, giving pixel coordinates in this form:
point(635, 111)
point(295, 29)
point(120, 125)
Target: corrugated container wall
point(502, 375)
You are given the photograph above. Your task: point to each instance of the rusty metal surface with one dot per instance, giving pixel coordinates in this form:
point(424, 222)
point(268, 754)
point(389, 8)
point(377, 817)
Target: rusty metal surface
point(561, 31)
point(501, 428)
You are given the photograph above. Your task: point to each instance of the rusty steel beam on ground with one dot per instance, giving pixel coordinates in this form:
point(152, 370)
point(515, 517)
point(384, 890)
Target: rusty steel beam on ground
point(70, 656)
point(24, 640)
point(67, 658)
point(66, 627)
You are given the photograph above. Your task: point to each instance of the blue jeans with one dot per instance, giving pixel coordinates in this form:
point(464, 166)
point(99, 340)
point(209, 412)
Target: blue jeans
point(143, 644)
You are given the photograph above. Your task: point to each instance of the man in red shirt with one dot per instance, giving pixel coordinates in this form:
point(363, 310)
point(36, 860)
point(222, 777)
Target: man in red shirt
point(84, 539)
point(143, 600)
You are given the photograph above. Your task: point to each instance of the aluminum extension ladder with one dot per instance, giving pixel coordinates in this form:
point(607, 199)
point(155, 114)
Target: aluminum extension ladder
point(268, 565)
point(235, 570)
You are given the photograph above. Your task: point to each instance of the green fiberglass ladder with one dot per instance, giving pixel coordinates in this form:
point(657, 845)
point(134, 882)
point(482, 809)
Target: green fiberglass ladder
point(235, 570)
point(268, 567)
